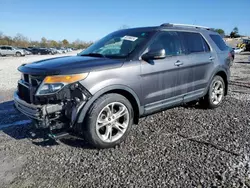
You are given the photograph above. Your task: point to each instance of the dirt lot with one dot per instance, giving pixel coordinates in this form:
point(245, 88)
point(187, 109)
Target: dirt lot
point(180, 147)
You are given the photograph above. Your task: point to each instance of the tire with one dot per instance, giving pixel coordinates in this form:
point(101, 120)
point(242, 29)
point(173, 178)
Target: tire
point(18, 54)
point(209, 101)
point(100, 136)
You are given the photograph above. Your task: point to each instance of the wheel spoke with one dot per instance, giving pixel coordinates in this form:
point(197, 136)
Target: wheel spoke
point(111, 107)
point(99, 126)
point(215, 98)
point(217, 86)
point(108, 110)
point(108, 134)
point(120, 127)
point(120, 113)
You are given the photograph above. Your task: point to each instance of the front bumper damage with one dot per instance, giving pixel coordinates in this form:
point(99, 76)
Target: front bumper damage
point(36, 112)
point(54, 118)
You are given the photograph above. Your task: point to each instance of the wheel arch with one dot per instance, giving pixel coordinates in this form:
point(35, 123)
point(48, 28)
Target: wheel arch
point(222, 73)
point(119, 89)
point(225, 79)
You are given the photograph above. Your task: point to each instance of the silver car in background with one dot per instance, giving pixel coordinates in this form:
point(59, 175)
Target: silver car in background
point(11, 51)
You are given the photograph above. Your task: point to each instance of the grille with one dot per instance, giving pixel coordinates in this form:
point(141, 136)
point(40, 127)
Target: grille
point(35, 81)
point(26, 78)
point(28, 86)
point(24, 93)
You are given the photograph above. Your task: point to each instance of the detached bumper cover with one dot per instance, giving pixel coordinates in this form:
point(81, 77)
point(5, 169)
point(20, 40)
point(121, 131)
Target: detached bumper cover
point(30, 110)
point(38, 112)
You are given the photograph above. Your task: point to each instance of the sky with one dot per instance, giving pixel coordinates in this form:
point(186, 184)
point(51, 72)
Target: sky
point(90, 20)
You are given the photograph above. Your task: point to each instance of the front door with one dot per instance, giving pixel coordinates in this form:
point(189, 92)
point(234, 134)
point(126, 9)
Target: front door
point(9, 51)
point(160, 77)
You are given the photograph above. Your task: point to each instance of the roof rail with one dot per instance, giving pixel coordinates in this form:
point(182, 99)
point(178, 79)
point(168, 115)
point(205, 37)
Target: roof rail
point(184, 25)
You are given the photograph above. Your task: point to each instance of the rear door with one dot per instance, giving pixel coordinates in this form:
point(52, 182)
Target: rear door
point(222, 50)
point(194, 73)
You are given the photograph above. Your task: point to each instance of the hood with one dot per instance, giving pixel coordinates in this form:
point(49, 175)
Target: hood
point(69, 65)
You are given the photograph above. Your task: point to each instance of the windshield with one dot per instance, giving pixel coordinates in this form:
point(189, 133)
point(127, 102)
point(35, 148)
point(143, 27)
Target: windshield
point(119, 44)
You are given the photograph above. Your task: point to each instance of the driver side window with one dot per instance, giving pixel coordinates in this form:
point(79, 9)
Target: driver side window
point(168, 40)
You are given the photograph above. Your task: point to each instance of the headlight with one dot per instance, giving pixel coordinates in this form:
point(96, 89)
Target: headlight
point(53, 84)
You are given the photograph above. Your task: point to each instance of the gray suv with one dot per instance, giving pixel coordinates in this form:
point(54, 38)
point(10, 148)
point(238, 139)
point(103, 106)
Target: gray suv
point(11, 51)
point(100, 93)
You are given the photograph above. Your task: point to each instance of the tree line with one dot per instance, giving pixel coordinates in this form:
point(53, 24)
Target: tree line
point(233, 34)
point(21, 41)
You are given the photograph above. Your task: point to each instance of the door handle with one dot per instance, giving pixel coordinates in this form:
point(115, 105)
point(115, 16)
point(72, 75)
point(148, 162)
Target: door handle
point(178, 63)
point(211, 58)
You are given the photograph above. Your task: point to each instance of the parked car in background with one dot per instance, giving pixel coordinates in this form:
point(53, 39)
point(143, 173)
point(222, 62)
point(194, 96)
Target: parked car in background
point(53, 51)
point(102, 92)
point(64, 50)
point(40, 51)
point(11, 51)
point(58, 50)
point(26, 50)
point(238, 50)
point(69, 50)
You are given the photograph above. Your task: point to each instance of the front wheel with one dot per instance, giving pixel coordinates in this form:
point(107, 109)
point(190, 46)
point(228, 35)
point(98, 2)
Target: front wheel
point(215, 94)
point(108, 121)
point(18, 54)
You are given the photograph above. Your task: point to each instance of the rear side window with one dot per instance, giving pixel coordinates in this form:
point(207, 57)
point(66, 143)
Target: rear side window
point(194, 42)
point(219, 42)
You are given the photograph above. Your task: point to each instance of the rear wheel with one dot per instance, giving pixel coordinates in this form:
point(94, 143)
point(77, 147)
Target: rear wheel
point(215, 94)
point(108, 121)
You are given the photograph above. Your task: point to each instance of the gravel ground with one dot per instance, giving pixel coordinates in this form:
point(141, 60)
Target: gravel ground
point(181, 147)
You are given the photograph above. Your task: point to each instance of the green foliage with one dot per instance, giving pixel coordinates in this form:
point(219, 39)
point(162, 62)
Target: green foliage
point(43, 42)
point(65, 43)
point(220, 31)
point(236, 30)
point(21, 41)
point(235, 33)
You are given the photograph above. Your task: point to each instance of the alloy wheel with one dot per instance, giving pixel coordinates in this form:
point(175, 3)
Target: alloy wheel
point(217, 92)
point(112, 122)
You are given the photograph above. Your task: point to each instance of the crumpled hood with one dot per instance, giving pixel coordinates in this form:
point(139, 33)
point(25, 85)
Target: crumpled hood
point(69, 65)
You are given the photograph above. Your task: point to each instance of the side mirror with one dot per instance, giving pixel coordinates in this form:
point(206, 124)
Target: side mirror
point(154, 54)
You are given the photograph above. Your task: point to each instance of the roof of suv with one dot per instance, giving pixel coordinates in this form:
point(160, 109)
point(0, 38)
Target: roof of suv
point(175, 27)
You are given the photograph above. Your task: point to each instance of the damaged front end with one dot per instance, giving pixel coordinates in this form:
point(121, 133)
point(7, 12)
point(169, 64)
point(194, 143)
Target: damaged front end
point(53, 102)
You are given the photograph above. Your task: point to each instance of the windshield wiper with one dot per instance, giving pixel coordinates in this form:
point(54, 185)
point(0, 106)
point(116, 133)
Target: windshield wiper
point(93, 55)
